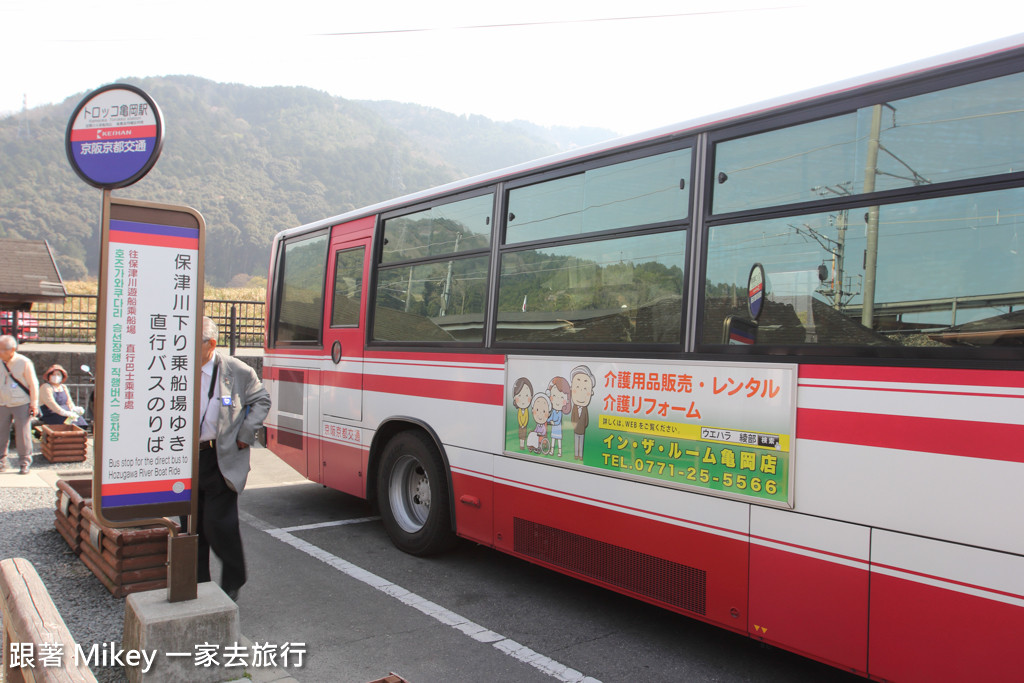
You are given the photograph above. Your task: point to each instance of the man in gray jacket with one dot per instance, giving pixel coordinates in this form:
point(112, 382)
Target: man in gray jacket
point(233, 404)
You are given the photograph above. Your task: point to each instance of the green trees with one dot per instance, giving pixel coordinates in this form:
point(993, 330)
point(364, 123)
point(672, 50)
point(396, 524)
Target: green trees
point(253, 161)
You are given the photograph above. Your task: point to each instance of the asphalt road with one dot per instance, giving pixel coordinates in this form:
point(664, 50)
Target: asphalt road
point(324, 577)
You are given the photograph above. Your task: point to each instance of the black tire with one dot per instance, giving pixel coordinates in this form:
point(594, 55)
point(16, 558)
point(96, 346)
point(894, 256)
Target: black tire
point(412, 493)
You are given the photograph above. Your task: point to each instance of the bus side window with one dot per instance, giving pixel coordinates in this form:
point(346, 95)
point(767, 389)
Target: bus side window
point(625, 290)
point(298, 316)
point(433, 273)
point(949, 273)
point(348, 287)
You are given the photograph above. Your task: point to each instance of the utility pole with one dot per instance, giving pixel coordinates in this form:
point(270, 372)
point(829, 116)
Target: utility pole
point(447, 294)
point(408, 290)
point(839, 257)
point(867, 318)
point(24, 127)
point(838, 251)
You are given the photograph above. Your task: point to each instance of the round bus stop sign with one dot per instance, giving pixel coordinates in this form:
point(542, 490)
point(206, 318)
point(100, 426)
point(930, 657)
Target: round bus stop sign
point(114, 136)
point(755, 291)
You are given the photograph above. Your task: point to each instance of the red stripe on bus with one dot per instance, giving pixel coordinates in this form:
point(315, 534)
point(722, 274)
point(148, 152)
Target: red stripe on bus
point(459, 359)
point(419, 363)
point(630, 510)
point(433, 359)
point(282, 353)
point(284, 374)
point(343, 380)
point(981, 378)
point(995, 592)
point(467, 392)
point(984, 440)
point(993, 393)
point(805, 549)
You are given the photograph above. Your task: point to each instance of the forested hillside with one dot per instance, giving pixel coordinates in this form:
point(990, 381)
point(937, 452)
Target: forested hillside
point(253, 161)
point(483, 145)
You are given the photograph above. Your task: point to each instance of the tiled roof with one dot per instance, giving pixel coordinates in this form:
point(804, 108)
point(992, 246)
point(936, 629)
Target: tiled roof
point(28, 273)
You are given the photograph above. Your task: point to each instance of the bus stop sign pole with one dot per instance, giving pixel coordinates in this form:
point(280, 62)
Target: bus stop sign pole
point(149, 330)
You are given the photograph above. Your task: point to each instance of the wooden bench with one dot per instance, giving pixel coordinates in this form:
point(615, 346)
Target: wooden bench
point(30, 617)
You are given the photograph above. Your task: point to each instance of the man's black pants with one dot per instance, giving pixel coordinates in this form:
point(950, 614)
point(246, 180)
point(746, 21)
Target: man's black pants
point(217, 525)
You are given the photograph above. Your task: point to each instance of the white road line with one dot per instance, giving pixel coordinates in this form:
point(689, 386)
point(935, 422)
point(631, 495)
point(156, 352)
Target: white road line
point(475, 631)
point(324, 525)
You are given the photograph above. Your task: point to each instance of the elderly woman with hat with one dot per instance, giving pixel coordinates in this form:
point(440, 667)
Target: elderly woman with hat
point(55, 404)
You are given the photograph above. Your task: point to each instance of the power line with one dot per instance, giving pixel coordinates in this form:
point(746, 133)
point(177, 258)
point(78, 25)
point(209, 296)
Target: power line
point(433, 29)
point(530, 24)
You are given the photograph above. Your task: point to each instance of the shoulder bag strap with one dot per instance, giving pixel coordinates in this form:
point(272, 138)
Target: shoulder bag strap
point(16, 380)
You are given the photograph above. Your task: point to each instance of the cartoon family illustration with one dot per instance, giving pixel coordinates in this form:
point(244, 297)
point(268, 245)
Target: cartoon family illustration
point(561, 397)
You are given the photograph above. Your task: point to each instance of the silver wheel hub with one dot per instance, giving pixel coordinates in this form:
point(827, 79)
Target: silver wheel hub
point(409, 494)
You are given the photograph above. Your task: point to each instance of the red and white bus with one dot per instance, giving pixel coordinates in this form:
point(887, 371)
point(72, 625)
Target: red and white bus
point(764, 369)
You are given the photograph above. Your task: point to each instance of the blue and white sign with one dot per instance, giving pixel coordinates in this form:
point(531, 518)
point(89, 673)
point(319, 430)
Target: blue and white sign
point(114, 136)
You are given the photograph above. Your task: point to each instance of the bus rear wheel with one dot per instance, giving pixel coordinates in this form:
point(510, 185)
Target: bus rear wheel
point(412, 491)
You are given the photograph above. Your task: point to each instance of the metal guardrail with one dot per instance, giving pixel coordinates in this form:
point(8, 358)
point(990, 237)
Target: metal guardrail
point(80, 391)
point(241, 322)
point(73, 321)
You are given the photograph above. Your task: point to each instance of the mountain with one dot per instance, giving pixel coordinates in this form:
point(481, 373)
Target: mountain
point(254, 161)
point(482, 144)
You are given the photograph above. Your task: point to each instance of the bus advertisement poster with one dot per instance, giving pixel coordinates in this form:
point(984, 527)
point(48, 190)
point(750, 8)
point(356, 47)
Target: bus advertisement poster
point(153, 305)
point(722, 428)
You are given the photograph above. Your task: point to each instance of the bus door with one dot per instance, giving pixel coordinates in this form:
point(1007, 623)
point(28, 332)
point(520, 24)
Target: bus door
point(341, 459)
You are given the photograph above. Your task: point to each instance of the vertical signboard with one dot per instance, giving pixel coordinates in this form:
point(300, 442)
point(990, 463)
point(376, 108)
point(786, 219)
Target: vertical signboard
point(721, 428)
point(151, 295)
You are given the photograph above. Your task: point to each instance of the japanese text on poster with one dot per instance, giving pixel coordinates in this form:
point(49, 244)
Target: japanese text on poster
point(720, 427)
point(151, 329)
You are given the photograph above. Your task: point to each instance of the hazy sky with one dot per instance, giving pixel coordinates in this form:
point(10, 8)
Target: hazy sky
point(627, 66)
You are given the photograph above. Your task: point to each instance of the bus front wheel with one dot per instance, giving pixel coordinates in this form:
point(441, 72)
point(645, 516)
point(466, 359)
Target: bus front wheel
point(412, 492)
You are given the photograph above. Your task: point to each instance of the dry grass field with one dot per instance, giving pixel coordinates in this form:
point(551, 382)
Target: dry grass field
point(258, 293)
point(74, 319)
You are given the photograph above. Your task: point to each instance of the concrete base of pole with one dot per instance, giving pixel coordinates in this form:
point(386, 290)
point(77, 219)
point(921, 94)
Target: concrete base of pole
point(173, 630)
